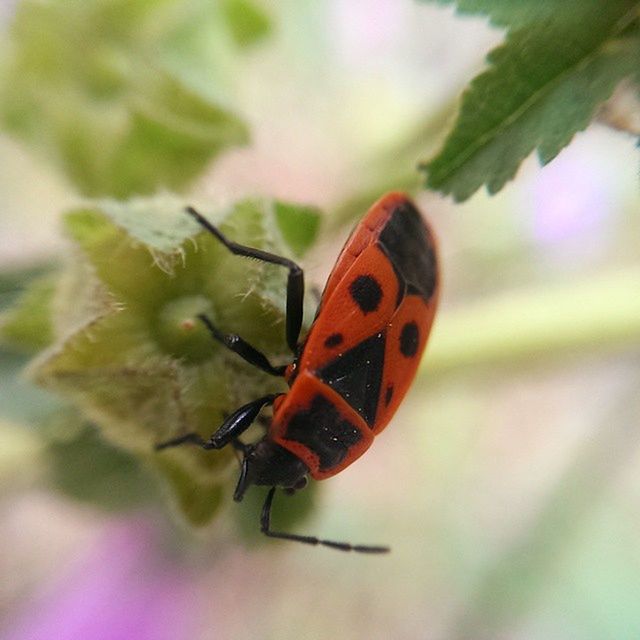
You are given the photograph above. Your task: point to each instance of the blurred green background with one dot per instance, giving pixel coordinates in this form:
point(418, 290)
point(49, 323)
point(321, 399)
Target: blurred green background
point(507, 484)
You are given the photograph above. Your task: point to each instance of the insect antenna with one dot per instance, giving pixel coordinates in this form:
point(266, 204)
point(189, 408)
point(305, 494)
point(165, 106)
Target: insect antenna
point(265, 527)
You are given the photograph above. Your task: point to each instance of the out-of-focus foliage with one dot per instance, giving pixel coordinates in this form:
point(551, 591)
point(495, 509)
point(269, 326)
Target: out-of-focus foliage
point(516, 327)
point(560, 61)
point(125, 346)
point(111, 93)
point(27, 326)
point(128, 98)
point(298, 225)
point(247, 22)
point(87, 468)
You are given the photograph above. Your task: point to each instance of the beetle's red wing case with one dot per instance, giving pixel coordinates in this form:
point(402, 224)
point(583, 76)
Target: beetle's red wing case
point(361, 303)
point(316, 424)
point(372, 326)
point(365, 234)
point(407, 337)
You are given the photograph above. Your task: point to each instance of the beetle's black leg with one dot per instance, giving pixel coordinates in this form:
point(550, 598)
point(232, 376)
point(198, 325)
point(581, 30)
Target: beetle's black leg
point(295, 281)
point(240, 420)
point(234, 426)
point(265, 527)
point(236, 344)
point(191, 438)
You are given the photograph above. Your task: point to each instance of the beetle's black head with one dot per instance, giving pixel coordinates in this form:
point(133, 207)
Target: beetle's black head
point(267, 463)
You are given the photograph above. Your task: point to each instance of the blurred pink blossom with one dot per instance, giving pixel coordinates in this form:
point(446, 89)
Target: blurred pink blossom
point(571, 199)
point(122, 590)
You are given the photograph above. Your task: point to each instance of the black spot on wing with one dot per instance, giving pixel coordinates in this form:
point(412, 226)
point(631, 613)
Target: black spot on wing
point(324, 431)
point(357, 375)
point(388, 396)
point(409, 339)
point(408, 244)
point(333, 340)
point(366, 293)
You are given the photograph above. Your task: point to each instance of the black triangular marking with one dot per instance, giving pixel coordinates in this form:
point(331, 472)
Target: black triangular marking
point(357, 375)
point(322, 429)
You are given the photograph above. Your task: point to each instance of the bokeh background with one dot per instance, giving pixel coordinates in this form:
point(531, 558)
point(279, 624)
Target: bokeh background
point(508, 484)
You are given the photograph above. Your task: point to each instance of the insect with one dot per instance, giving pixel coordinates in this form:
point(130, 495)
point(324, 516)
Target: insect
point(352, 370)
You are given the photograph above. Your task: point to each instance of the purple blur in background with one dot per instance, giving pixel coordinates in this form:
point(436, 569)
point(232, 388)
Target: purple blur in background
point(120, 590)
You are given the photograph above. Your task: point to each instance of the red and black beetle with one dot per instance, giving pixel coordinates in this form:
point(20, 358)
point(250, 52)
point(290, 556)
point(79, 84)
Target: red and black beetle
point(353, 368)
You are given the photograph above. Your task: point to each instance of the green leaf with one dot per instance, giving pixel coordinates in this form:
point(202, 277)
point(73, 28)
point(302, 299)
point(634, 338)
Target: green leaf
point(95, 85)
point(14, 282)
point(85, 467)
point(299, 225)
point(507, 13)
point(542, 86)
point(27, 326)
point(247, 22)
point(128, 350)
point(21, 402)
point(197, 500)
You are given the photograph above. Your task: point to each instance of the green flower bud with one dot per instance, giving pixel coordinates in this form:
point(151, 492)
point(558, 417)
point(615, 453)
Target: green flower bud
point(128, 349)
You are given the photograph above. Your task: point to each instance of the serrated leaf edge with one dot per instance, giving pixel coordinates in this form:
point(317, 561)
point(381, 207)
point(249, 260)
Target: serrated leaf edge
point(505, 124)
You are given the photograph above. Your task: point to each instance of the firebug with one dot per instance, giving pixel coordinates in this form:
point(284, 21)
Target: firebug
point(353, 368)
